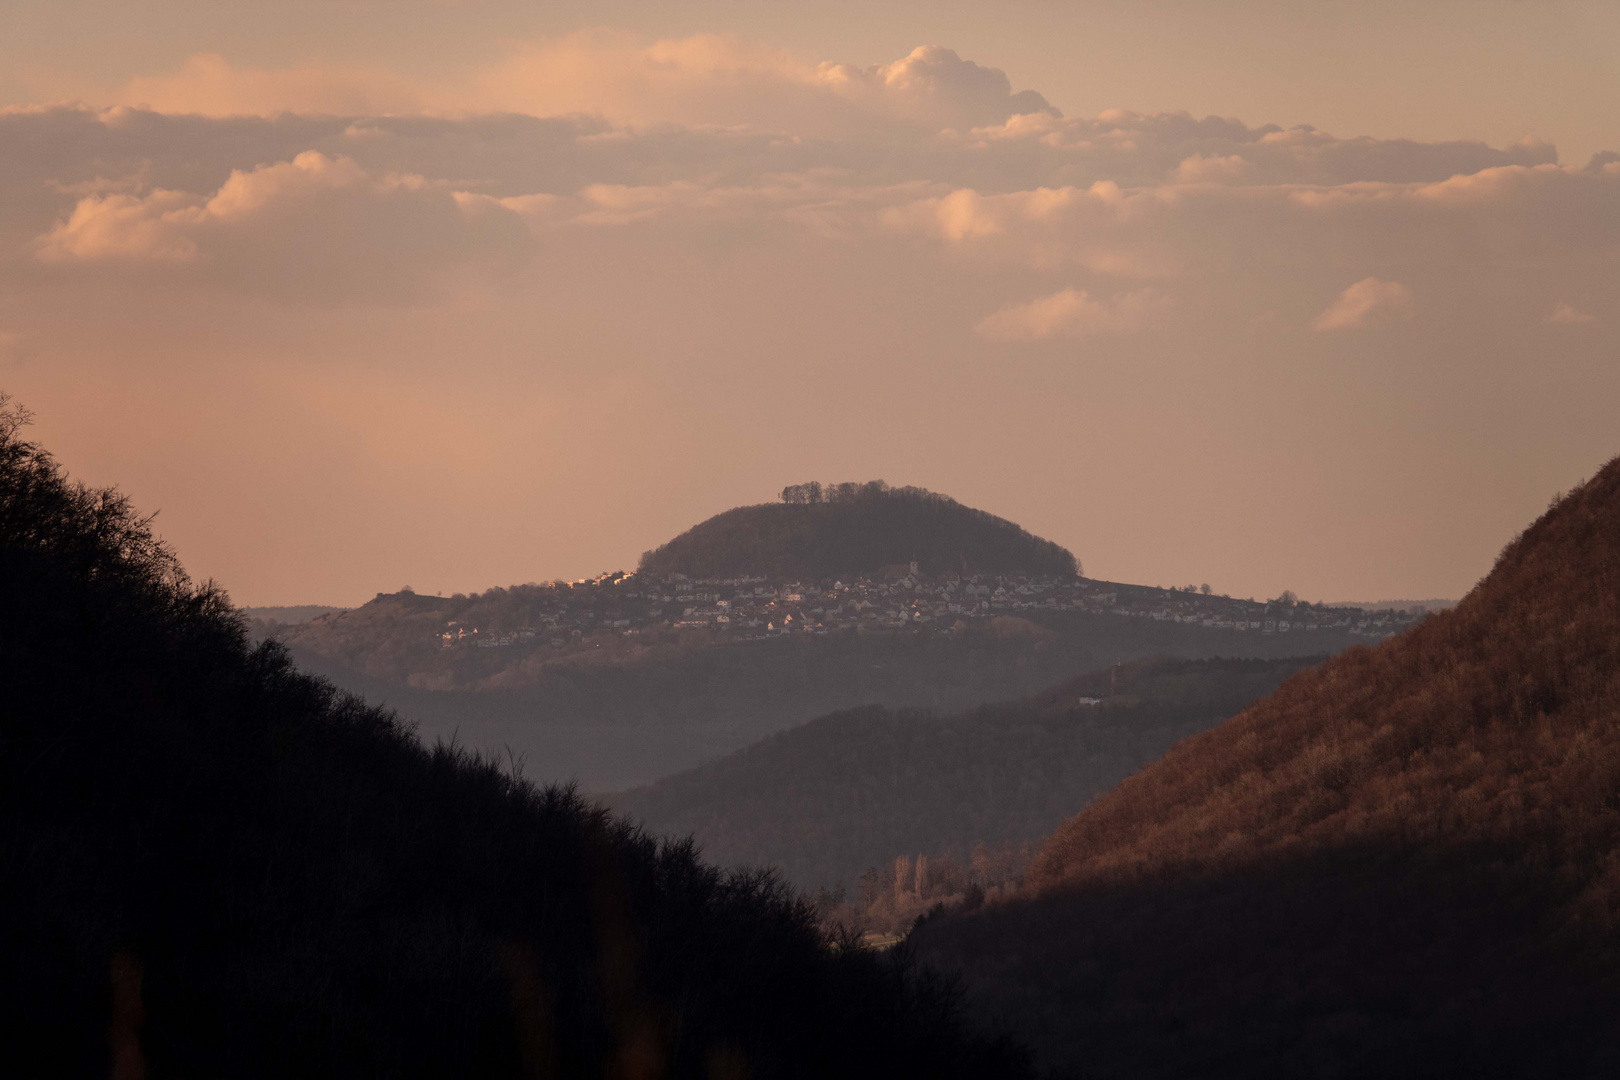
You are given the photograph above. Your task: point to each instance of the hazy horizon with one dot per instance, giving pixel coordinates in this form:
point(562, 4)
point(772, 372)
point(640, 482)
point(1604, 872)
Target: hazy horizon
point(463, 294)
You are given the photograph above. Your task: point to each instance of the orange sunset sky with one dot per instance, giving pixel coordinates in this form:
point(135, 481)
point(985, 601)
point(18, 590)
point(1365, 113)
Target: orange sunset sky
point(1320, 296)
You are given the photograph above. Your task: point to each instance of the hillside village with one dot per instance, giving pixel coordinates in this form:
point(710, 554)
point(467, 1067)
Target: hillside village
point(745, 608)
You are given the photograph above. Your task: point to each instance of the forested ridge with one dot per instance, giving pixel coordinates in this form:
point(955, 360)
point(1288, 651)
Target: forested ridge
point(827, 800)
point(1406, 862)
point(216, 866)
point(855, 529)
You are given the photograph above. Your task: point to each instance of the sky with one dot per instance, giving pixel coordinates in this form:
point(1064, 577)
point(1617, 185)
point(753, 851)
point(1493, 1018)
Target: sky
point(450, 294)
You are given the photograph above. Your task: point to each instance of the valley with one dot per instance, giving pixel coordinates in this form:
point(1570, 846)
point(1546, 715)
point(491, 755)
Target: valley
point(624, 678)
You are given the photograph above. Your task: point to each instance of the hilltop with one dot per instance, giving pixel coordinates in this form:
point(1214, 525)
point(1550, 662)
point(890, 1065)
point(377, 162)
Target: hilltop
point(217, 866)
point(1405, 861)
point(851, 791)
point(851, 530)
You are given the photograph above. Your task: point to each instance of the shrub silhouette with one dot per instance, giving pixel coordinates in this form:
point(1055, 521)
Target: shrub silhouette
point(216, 866)
point(1404, 862)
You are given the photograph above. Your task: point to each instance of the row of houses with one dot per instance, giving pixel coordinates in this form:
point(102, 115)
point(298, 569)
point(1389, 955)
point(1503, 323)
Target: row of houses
point(561, 612)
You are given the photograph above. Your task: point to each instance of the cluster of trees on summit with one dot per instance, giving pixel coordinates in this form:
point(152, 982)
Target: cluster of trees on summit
point(813, 492)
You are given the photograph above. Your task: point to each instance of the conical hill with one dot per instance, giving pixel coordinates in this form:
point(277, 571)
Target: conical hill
point(851, 530)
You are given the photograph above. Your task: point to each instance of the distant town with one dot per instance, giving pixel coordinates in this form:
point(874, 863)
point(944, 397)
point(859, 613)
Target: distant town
point(754, 608)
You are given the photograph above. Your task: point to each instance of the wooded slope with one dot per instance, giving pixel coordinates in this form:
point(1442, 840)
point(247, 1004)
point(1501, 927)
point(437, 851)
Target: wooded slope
point(1404, 862)
point(853, 790)
point(216, 866)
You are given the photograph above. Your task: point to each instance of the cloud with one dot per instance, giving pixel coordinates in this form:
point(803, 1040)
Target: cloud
point(718, 80)
point(1516, 213)
point(1073, 313)
point(317, 226)
point(123, 227)
point(709, 151)
point(658, 111)
point(1199, 169)
point(1141, 149)
point(1366, 303)
point(1103, 228)
point(328, 208)
point(725, 80)
point(1566, 314)
point(934, 83)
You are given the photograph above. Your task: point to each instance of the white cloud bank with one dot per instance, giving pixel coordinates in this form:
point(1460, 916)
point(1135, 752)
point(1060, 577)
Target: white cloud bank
point(724, 83)
point(380, 207)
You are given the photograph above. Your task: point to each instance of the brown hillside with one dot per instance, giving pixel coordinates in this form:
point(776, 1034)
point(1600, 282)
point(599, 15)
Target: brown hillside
point(1405, 862)
point(1498, 720)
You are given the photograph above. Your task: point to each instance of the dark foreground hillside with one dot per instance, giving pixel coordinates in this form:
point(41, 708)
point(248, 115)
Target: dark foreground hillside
point(1406, 862)
point(851, 530)
point(216, 867)
point(825, 801)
